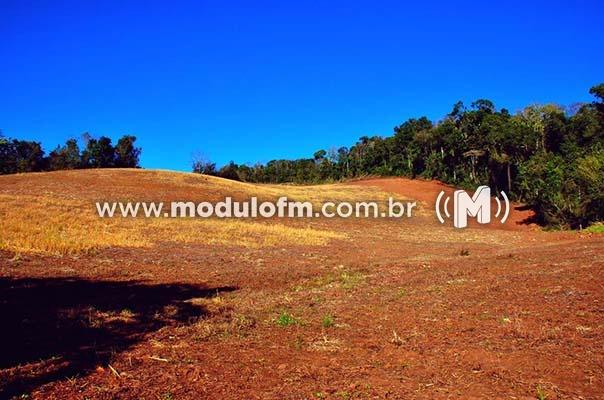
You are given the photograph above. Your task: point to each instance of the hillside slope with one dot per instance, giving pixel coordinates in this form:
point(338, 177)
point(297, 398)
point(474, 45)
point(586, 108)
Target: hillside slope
point(290, 308)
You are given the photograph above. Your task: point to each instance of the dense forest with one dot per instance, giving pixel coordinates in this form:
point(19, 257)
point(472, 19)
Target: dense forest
point(547, 156)
point(28, 156)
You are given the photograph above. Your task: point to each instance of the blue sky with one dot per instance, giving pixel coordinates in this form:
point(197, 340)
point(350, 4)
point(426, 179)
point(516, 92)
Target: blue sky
point(258, 80)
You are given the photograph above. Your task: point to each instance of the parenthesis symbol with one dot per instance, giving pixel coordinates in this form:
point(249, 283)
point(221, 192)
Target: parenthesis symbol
point(437, 207)
point(498, 207)
point(507, 207)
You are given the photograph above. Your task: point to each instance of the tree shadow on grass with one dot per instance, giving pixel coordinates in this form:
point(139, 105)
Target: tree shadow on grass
point(56, 328)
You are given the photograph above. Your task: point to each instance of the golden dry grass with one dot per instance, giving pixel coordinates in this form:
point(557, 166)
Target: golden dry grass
point(54, 213)
point(240, 233)
point(157, 185)
point(43, 224)
point(335, 192)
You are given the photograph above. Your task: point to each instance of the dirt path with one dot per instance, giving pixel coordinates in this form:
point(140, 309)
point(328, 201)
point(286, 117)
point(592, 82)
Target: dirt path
point(427, 192)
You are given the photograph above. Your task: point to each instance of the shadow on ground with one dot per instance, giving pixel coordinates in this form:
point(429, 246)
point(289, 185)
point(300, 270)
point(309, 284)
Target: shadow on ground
point(529, 220)
point(58, 328)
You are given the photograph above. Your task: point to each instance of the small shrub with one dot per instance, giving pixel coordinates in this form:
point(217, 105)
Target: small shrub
point(598, 227)
point(286, 319)
point(349, 280)
point(328, 321)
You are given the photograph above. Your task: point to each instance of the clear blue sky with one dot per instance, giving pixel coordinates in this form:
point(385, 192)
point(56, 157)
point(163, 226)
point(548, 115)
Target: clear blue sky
point(260, 80)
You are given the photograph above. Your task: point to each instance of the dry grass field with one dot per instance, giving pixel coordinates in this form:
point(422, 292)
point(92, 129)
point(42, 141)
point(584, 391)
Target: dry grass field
point(65, 221)
point(124, 308)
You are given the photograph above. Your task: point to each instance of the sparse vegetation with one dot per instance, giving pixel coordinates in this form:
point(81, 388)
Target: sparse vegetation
point(595, 228)
point(328, 321)
point(349, 280)
point(286, 319)
point(395, 288)
point(167, 396)
point(236, 325)
point(541, 393)
point(344, 395)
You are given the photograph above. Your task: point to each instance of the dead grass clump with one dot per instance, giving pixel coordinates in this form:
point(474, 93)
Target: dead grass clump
point(237, 325)
point(326, 344)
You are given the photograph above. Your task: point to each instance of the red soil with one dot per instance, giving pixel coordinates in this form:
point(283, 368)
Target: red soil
point(520, 315)
point(427, 192)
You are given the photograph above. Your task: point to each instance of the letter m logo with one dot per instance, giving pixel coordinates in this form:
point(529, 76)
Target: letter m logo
point(478, 206)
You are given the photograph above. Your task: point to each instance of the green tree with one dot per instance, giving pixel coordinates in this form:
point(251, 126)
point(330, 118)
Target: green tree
point(65, 157)
point(98, 153)
point(30, 156)
point(126, 153)
point(230, 171)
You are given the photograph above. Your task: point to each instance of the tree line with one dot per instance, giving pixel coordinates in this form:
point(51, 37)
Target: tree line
point(28, 156)
point(547, 156)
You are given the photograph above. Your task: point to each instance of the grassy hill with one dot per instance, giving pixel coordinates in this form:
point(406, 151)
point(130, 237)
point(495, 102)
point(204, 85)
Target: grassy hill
point(55, 212)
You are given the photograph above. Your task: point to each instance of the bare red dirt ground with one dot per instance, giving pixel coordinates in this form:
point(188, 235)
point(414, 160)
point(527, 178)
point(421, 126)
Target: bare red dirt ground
point(426, 192)
point(398, 310)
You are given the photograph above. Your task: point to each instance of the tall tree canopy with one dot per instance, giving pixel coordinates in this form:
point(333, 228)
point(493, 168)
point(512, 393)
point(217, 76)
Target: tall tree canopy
point(28, 156)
